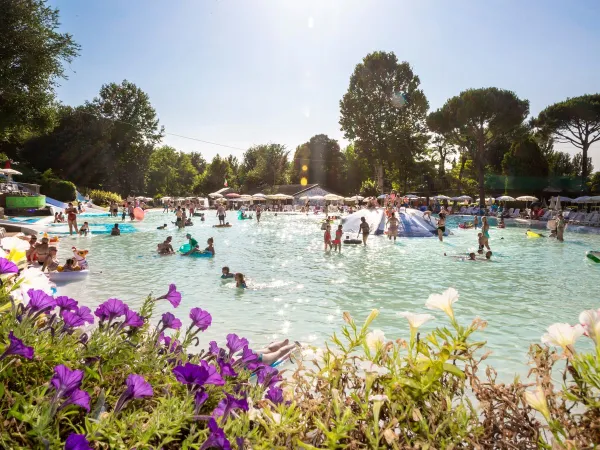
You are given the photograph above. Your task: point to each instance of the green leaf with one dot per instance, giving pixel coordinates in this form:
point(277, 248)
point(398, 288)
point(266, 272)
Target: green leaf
point(451, 368)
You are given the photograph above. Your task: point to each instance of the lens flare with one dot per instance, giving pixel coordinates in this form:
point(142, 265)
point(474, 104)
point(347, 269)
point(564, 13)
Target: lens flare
point(305, 167)
point(303, 181)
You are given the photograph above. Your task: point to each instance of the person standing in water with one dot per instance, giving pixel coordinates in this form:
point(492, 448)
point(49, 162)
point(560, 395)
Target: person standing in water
point(364, 228)
point(392, 226)
point(221, 214)
point(485, 228)
point(560, 226)
point(441, 226)
point(337, 243)
point(327, 237)
point(258, 213)
point(72, 218)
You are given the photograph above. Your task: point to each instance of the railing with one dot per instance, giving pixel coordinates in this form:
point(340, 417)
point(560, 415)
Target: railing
point(31, 188)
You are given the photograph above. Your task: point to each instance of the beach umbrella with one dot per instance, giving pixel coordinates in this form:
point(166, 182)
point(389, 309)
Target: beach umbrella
point(333, 198)
point(584, 199)
point(595, 199)
point(441, 197)
point(232, 195)
point(10, 172)
point(411, 196)
point(246, 198)
point(316, 197)
point(527, 198)
point(565, 199)
point(215, 195)
point(260, 196)
point(357, 198)
point(505, 198)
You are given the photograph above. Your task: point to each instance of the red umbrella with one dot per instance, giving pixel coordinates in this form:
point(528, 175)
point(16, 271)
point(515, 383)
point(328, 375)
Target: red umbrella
point(232, 195)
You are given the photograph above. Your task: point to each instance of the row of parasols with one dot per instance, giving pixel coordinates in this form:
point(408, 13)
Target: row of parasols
point(262, 197)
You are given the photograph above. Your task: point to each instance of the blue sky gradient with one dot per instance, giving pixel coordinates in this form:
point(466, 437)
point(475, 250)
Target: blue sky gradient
point(244, 72)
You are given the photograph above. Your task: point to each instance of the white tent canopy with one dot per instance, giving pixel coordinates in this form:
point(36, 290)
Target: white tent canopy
point(333, 197)
point(527, 198)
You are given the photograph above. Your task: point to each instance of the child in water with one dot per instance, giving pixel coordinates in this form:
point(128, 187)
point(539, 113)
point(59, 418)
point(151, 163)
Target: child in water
point(164, 227)
point(239, 281)
point(225, 273)
point(69, 265)
point(210, 249)
point(84, 230)
point(337, 243)
point(327, 237)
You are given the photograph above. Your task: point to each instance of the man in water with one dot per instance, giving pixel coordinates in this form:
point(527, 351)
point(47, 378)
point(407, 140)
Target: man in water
point(364, 228)
point(115, 231)
point(221, 214)
point(560, 226)
point(193, 243)
point(258, 213)
point(166, 248)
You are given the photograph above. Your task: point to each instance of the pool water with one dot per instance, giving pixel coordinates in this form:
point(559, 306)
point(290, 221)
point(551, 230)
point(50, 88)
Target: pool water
point(297, 290)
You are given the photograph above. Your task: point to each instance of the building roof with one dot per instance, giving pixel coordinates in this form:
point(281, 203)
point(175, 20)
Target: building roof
point(292, 189)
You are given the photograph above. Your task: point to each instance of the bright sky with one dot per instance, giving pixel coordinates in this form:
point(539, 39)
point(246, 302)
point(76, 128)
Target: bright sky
point(243, 72)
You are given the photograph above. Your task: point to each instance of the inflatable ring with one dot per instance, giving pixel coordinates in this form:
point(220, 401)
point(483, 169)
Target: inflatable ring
point(352, 241)
point(531, 234)
point(186, 248)
point(68, 276)
point(593, 255)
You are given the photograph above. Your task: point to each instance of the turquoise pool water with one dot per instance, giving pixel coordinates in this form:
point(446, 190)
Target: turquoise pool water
point(298, 291)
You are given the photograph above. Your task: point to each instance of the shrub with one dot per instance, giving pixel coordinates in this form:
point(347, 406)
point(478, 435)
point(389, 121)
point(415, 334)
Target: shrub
point(103, 198)
point(54, 187)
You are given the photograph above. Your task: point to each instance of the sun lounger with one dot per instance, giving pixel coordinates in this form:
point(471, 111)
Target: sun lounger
point(514, 213)
point(589, 219)
point(595, 222)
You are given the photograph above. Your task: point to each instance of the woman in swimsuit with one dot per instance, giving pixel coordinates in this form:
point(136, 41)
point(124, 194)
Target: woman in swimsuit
point(485, 228)
point(72, 218)
point(392, 227)
point(441, 226)
point(337, 243)
point(239, 281)
point(327, 237)
point(51, 262)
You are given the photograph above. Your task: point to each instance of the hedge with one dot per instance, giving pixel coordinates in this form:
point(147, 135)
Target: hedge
point(103, 198)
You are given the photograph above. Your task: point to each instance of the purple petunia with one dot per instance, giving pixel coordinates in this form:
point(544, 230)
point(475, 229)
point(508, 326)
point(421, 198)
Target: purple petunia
point(216, 438)
point(215, 349)
point(66, 303)
point(200, 318)
point(77, 442)
point(7, 266)
point(39, 301)
point(172, 345)
point(228, 404)
point(247, 357)
point(16, 347)
point(132, 319)
point(226, 369)
point(268, 376)
point(173, 297)
point(199, 399)
point(78, 317)
point(65, 380)
point(275, 394)
point(198, 375)
point(110, 309)
point(137, 387)
point(235, 343)
point(170, 321)
point(78, 397)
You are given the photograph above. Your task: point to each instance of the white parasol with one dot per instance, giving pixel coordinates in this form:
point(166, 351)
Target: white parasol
point(527, 198)
point(333, 197)
point(505, 198)
point(215, 195)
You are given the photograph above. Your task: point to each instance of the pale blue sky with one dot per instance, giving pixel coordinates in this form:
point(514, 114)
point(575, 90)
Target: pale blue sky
point(243, 72)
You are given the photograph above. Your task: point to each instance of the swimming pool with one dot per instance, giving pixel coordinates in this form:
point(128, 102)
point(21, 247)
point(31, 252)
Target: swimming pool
point(298, 291)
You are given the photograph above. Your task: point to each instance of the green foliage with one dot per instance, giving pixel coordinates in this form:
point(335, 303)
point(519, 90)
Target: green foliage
point(325, 163)
point(170, 173)
point(369, 188)
point(54, 187)
point(263, 165)
point(594, 184)
point(525, 166)
point(382, 132)
point(32, 57)
point(575, 121)
point(103, 198)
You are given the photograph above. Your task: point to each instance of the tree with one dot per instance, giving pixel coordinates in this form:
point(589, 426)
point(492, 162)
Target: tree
point(264, 165)
point(323, 160)
point(198, 161)
point(594, 184)
point(214, 176)
point(525, 165)
point(575, 121)
point(560, 164)
point(382, 132)
point(355, 171)
point(32, 58)
point(478, 118)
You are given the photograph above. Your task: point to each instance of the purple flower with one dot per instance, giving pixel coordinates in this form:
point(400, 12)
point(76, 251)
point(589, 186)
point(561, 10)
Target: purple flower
point(214, 348)
point(173, 345)
point(78, 317)
point(235, 343)
point(275, 394)
point(65, 380)
point(65, 303)
point(247, 357)
point(200, 318)
point(268, 376)
point(137, 387)
point(39, 301)
point(170, 321)
point(7, 266)
point(132, 319)
point(78, 397)
point(16, 347)
point(198, 374)
point(228, 404)
point(173, 297)
point(199, 399)
point(226, 369)
point(216, 438)
point(77, 442)
point(110, 309)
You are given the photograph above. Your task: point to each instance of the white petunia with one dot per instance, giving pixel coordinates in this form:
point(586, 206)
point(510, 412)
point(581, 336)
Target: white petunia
point(590, 321)
point(537, 400)
point(370, 367)
point(375, 340)
point(415, 320)
point(443, 301)
point(562, 334)
point(378, 398)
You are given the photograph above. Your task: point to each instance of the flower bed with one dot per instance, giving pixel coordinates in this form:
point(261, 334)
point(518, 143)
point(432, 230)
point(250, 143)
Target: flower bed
point(76, 379)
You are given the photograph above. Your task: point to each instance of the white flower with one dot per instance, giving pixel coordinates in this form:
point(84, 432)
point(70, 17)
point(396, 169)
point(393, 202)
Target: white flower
point(378, 398)
point(443, 301)
point(415, 320)
point(590, 320)
point(32, 278)
point(370, 367)
point(537, 400)
point(562, 334)
point(375, 339)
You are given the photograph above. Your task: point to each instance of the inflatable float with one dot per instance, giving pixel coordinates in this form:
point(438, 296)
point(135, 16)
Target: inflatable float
point(466, 225)
point(186, 248)
point(531, 234)
point(411, 222)
point(352, 241)
point(241, 217)
point(593, 255)
point(68, 276)
point(222, 226)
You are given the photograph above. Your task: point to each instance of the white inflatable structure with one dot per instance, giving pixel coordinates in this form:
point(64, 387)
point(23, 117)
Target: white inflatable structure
point(412, 222)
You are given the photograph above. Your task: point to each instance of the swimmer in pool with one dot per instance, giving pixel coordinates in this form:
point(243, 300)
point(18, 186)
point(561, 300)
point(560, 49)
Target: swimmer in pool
point(70, 266)
point(239, 281)
point(115, 231)
point(225, 273)
point(85, 229)
point(163, 227)
point(193, 243)
point(441, 226)
point(392, 227)
point(50, 262)
point(275, 351)
point(211, 248)
point(475, 222)
point(166, 248)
